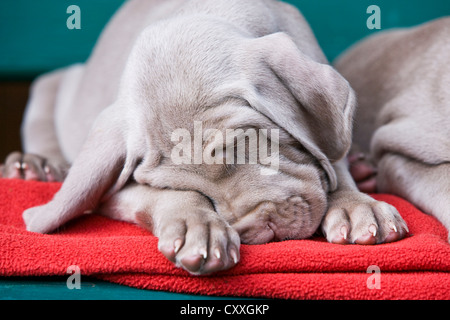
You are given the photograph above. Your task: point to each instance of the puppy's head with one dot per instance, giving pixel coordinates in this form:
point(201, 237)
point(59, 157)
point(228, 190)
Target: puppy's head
point(252, 124)
point(258, 141)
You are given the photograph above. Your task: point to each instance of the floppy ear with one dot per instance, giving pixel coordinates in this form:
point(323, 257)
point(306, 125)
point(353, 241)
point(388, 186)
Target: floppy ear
point(310, 100)
point(103, 163)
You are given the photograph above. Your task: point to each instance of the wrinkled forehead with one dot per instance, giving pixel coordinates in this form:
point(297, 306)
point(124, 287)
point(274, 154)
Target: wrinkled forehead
point(231, 121)
point(236, 113)
point(231, 114)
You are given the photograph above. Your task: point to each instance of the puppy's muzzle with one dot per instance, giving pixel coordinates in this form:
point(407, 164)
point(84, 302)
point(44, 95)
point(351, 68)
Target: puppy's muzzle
point(270, 221)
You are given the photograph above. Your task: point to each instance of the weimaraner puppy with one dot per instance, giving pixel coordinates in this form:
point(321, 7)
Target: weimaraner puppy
point(402, 81)
point(166, 69)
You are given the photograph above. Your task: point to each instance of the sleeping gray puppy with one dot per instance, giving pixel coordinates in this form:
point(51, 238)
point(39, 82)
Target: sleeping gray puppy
point(165, 67)
point(402, 80)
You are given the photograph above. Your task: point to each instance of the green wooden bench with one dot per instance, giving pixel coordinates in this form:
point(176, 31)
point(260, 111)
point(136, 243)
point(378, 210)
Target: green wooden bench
point(34, 38)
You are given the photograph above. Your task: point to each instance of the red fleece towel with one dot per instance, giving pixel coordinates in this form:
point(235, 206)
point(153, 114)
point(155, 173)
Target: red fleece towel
point(417, 267)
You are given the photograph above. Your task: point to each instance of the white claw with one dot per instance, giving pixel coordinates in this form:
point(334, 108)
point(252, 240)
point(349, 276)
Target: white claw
point(373, 229)
point(203, 253)
point(47, 169)
point(234, 256)
point(177, 245)
point(344, 232)
point(24, 166)
point(394, 227)
point(217, 253)
point(17, 165)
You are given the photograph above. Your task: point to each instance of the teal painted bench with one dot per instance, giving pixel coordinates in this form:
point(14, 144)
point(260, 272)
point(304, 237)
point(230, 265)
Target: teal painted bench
point(55, 288)
point(34, 38)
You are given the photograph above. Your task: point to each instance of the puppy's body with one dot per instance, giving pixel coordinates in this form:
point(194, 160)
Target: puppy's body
point(402, 80)
point(164, 65)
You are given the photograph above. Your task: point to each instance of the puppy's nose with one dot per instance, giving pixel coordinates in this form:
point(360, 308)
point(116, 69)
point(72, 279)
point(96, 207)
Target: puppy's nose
point(273, 221)
point(253, 226)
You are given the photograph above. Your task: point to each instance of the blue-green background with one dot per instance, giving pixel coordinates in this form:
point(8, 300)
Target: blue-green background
point(34, 37)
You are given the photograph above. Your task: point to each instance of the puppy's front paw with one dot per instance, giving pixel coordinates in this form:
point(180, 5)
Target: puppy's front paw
point(354, 217)
point(200, 242)
point(31, 167)
point(39, 219)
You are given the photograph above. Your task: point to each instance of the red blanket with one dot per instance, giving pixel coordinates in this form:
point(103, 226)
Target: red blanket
point(417, 267)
